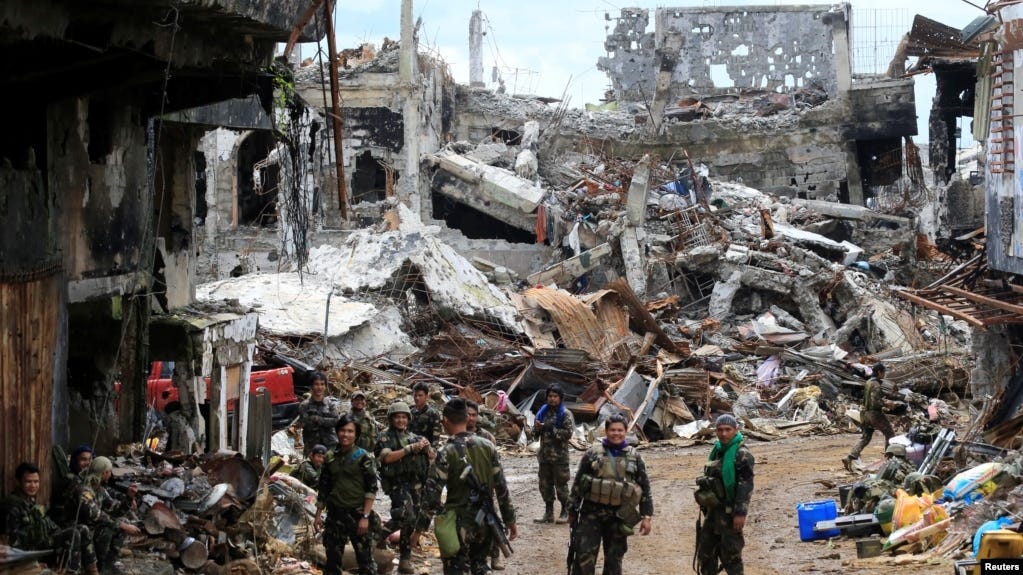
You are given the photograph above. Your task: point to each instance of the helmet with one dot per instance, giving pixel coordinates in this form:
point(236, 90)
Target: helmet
point(399, 407)
point(896, 450)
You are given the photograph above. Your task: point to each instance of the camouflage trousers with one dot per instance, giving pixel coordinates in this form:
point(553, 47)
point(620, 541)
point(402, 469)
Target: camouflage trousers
point(404, 509)
point(871, 420)
point(554, 477)
point(473, 556)
point(106, 540)
point(720, 546)
point(75, 547)
point(598, 524)
point(340, 528)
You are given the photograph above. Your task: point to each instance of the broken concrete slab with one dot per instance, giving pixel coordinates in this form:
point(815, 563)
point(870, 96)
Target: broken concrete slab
point(370, 261)
point(492, 183)
point(567, 270)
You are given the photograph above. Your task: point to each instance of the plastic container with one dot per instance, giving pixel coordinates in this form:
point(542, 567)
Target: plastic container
point(810, 513)
point(1000, 543)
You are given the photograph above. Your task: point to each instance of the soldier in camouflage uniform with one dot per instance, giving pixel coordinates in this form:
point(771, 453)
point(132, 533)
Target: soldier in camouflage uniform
point(554, 425)
point(317, 415)
point(463, 449)
point(347, 489)
point(871, 416)
point(308, 471)
point(609, 485)
point(368, 426)
point(90, 504)
point(472, 410)
point(404, 460)
point(729, 473)
point(425, 419)
point(26, 526)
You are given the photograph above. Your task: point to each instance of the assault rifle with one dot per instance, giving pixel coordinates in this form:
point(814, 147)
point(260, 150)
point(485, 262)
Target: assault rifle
point(482, 498)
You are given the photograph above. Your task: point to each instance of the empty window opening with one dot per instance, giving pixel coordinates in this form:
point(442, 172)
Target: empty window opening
point(476, 224)
point(741, 50)
point(257, 199)
point(370, 182)
point(719, 76)
point(200, 187)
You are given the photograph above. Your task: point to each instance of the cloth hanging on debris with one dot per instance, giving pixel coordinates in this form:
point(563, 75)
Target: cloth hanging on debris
point(541, 224)
point(769, 372)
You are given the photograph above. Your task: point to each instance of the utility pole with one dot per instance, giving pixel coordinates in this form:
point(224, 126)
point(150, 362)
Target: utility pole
point(335, 115)
point(476, 50)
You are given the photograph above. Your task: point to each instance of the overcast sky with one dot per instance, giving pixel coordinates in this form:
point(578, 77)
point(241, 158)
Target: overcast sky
point(542, 46)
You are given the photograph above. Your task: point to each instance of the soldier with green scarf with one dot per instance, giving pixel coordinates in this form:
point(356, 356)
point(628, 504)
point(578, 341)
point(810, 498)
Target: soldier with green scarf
point(729, 474)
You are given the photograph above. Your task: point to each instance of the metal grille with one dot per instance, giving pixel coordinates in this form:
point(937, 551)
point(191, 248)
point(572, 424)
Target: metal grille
point(692, 231)
point(875, 36)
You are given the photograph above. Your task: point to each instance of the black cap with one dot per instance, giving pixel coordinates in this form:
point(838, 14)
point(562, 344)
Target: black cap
point(878, 367)
point(322, 450)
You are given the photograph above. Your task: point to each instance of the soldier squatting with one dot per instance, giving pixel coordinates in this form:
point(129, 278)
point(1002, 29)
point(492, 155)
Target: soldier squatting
point(348, 457)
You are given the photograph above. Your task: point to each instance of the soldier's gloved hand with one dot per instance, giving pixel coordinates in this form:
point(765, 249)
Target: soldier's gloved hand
point(548, 426)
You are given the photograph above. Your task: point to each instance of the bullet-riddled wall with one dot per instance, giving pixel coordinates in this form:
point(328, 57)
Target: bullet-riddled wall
point(721, 49)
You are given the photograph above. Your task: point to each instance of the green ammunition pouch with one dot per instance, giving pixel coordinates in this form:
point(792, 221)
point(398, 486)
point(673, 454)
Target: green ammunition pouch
point(710, 488)
point(609, 491)
point(706, 496)
point(445, 529)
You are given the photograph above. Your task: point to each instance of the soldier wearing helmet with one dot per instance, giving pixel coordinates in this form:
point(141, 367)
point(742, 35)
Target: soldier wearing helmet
point(871, 415)
point(896, 467)
point(404, 460)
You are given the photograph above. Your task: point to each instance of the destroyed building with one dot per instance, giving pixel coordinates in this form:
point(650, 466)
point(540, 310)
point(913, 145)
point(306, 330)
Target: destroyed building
point(98, 197)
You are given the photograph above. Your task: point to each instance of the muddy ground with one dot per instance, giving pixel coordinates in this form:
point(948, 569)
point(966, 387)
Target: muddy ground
point(788, 471)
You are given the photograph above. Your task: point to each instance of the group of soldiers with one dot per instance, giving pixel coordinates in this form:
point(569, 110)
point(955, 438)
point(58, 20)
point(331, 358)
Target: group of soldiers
point(350, 458)
point(87, 521)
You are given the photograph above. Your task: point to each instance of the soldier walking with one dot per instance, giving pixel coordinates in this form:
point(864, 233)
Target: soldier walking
point(609, 483)
point(348, 487)
point(465, 453)
point(871, 416)
point(317, 415)
point(404, 460)
point(554, 425)
point(728, 474)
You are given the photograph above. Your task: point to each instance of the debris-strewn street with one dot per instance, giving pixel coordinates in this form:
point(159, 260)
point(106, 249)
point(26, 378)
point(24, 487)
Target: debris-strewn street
point(253, 305)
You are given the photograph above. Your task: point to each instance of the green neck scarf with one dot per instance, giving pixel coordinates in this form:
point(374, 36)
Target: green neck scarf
point(727, 463)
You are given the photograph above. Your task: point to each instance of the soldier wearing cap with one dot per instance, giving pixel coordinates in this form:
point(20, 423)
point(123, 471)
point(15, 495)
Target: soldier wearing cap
point(871, 416)
point(728, 475)
point(554, 426)
point(368, 427)
point(308, 471)
point(404, 460)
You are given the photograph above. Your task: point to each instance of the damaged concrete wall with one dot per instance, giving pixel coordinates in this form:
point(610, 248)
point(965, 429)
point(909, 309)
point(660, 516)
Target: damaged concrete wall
point(1004, 195)
point(713, 50)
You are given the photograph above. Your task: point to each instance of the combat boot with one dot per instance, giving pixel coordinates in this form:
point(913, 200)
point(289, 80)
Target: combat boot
point(847, 462)
point(92, 569)
point(563, 518)
point(548, 516)
point(497, 562)
point(405, 566)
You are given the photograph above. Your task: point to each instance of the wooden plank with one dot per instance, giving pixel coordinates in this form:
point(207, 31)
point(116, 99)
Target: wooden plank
point(940, 308)
point(1002, 305)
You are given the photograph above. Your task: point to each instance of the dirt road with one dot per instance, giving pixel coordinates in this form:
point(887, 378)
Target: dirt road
point(786, 474)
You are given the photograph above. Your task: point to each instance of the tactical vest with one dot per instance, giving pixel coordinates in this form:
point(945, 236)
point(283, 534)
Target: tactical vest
point(412, 467)
point(611, 480)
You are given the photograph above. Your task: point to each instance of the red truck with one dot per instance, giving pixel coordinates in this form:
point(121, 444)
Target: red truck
point(278, 381)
